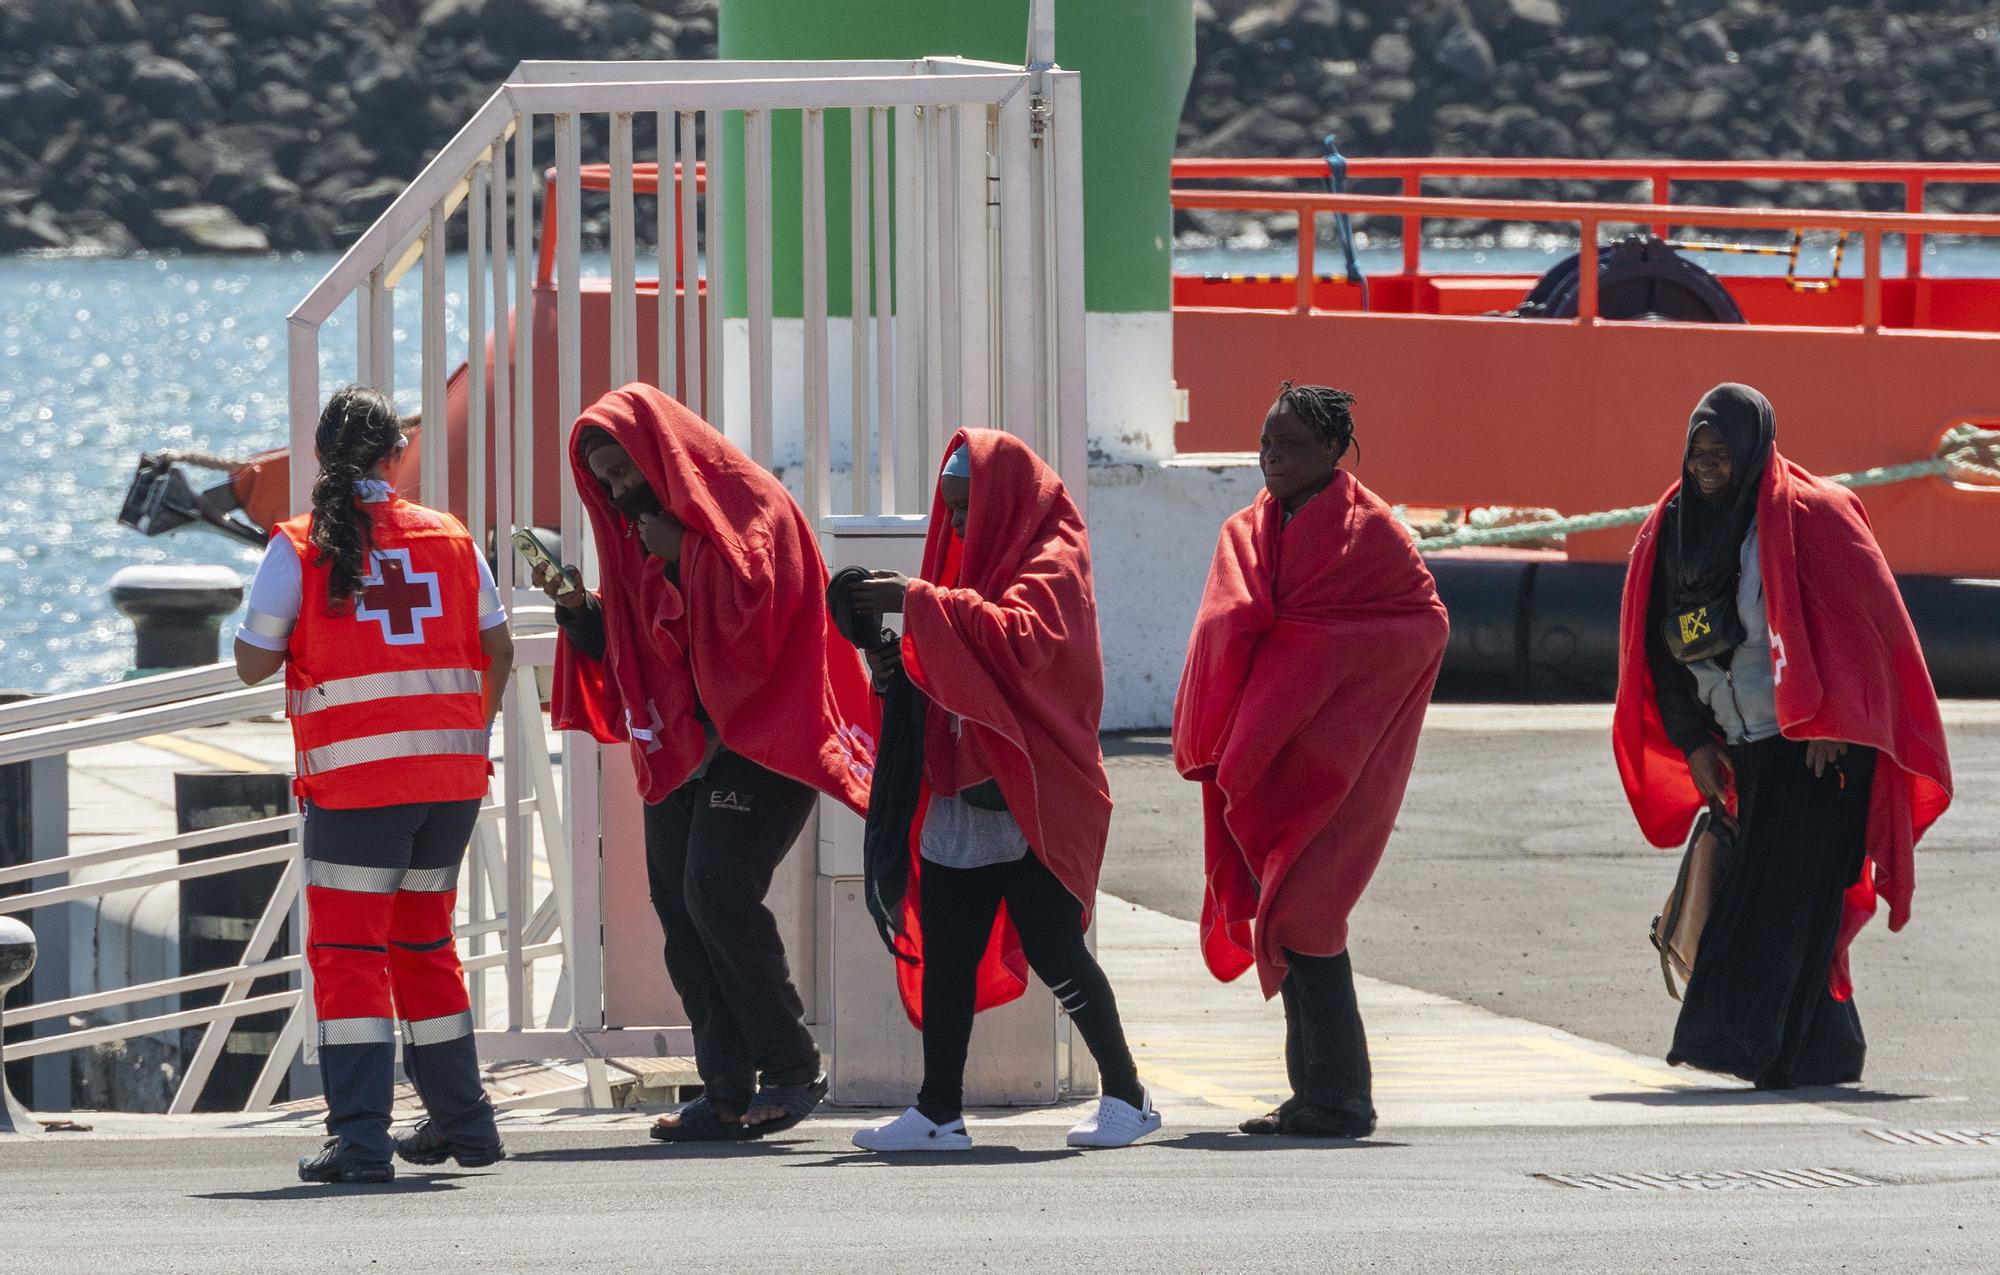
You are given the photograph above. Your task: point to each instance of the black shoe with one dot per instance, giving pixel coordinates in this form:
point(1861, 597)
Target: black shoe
point(338, 1161)
point(424, 1145)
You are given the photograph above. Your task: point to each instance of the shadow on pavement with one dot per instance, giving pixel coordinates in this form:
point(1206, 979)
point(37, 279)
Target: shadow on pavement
point(324, 1191)
point(978, 1155)
point(1215, 1141)
point(1826, 1094)
point(651, 1150)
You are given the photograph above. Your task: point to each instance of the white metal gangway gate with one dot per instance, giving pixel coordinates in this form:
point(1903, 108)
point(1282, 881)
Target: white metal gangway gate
point(964, 241)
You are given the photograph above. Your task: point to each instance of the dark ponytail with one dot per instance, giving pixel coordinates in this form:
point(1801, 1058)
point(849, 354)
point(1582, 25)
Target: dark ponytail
point(1325, 410)
point(356, 431)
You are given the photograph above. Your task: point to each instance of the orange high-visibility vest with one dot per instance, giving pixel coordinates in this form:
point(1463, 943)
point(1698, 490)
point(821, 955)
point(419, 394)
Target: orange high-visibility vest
point(385, 695)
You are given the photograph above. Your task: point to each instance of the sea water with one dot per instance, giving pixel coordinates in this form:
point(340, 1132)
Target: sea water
point(103, 359)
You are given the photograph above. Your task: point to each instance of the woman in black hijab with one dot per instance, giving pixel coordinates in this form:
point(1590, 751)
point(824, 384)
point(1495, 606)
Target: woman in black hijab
point(1758, 1005)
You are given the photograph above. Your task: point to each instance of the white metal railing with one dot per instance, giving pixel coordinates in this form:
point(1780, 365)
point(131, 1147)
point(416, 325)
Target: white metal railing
point(514, 835)
point(965, 254)
point(964, 216)
point(122, 697)
point(964, 221)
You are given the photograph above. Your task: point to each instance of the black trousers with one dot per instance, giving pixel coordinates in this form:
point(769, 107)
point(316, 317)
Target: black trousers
point(1326, 1047)
point(959, 905)
point(381, 884)
point(711, 849)
point(1758, 1005)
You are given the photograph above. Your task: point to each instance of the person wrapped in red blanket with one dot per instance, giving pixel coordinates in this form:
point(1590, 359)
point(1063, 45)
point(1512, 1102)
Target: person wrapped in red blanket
point(709, 649)
point(1768, 669)
point(1000, 635)
point(1318, 641)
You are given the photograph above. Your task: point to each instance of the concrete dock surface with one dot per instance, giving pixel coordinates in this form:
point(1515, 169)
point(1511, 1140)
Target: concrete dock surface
point(1516, 1020)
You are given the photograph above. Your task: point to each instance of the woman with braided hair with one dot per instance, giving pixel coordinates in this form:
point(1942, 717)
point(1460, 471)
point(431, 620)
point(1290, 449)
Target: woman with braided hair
point(1319, 638)
point(385, 618)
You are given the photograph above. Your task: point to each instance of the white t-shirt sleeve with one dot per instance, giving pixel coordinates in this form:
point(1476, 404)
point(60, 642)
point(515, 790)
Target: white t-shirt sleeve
point(275, 593)
point(492, 611)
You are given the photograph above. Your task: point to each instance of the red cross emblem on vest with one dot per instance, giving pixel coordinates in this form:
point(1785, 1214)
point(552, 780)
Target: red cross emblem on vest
point(398, 597)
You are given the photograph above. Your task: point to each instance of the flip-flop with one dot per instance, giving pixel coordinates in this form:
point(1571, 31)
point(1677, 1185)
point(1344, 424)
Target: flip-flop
point(700, 1123)
point(1271, 1122)
point(796, 1101)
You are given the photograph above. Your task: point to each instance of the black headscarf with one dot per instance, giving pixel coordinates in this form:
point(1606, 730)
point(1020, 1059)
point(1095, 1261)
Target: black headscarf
point(1701, 537)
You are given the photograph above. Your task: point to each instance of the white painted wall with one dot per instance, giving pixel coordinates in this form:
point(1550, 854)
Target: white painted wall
point(1152, 533)
point(1133, 402)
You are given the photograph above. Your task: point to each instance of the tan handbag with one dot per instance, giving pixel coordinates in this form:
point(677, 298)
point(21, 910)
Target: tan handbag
point(1677, 929)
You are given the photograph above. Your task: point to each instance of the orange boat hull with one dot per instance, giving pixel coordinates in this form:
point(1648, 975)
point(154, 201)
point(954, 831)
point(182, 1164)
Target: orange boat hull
point(1470, 411)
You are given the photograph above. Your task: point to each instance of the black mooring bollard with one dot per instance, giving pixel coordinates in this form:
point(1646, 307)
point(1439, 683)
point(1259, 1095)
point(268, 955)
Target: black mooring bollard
point(177, 611)
point(218, 914)
point(17, 961)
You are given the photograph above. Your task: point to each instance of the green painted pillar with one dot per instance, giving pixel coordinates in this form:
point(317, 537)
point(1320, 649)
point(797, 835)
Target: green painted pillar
point(1135, 57)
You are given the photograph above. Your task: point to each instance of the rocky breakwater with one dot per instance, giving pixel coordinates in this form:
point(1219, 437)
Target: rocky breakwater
point(252, 125)
point(1696, 79)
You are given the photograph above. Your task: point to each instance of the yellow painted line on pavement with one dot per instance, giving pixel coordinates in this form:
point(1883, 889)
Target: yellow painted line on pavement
point(207, 754)
point(1250, 1078)
point(1659, 1076)
point(1204, 1088)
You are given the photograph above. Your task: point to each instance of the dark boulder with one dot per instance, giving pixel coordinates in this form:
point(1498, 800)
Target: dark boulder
point(1466, 54)
point(45, 97)
point(32, 228)
point(203, 228)
point(358, 208)
point(386, 82)
point(538, 28)
point(173, 90)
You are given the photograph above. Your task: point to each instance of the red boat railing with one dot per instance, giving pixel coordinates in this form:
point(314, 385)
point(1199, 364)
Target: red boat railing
point(1411, 172)
point(1587, 217)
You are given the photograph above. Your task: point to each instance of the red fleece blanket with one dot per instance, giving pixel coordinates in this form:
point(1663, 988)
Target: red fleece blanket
point(1001, 631)
point(1308, 673)
point(1847, 665)
point(746, 635)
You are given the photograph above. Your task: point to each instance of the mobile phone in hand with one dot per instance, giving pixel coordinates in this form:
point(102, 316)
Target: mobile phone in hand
point(530, 547)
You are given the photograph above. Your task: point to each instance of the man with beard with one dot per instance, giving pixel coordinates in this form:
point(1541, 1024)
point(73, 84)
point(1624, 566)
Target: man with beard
point(709, 648)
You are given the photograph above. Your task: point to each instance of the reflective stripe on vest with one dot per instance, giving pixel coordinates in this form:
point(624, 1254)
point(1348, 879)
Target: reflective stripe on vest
point(375, 686)
point(390, 746)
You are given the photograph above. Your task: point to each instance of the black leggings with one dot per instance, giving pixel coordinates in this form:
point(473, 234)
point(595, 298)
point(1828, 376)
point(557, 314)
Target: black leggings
point(711, 849)
point(959, 905)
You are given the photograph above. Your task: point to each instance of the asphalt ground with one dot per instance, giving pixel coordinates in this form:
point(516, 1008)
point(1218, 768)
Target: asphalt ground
point(1194, 1200)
